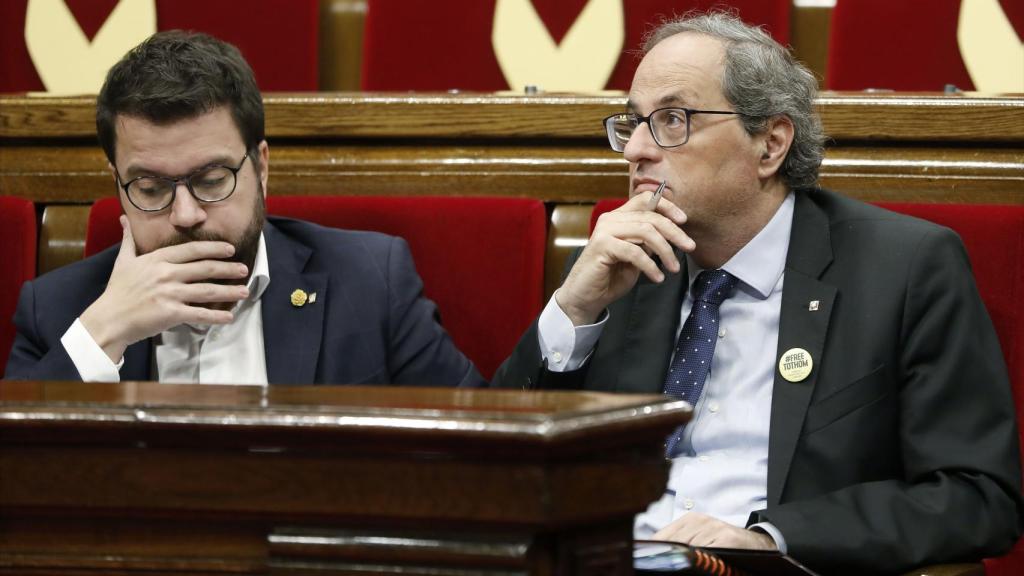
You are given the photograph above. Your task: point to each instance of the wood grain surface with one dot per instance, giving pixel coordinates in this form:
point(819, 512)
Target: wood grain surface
point(951, 148)
point(148, 478)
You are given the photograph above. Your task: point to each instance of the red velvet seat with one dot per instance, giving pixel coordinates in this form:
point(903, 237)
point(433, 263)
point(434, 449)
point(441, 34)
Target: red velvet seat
point(901, 44)
point(404, 41)
point(994, 238)
point(481, 259)
point(18, 238)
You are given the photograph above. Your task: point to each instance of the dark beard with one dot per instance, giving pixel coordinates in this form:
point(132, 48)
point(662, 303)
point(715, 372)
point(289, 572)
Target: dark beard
point(245, 248)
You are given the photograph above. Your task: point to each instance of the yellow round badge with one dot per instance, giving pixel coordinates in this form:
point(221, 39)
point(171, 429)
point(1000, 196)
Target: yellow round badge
point(299, 298)
point(796, 364)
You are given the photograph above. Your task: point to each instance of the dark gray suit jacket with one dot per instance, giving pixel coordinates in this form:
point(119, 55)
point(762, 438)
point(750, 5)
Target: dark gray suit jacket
point(369, 325)
point(901, 447)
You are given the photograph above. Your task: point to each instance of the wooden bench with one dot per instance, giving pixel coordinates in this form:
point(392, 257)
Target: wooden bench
point(885, 147)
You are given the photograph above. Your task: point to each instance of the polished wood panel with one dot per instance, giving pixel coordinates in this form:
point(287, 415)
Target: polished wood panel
point(966, 148)
point(356, 115)
point(341, 44)
point(570, 229)
point(810, 26)
point(135, 477)
point(846, 116)
point(61, 235)
point(967, 117)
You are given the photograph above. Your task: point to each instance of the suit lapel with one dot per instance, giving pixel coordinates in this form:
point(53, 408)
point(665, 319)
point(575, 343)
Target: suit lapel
point(291, 334)
point(137, 361)
point(648, 332)
point(810, 252)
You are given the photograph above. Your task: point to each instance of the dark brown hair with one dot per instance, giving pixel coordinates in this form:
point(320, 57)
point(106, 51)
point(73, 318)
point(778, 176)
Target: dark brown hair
point(175, 75)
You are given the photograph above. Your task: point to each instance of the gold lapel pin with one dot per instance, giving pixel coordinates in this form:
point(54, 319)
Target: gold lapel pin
point(299, 298)
point(813, 305)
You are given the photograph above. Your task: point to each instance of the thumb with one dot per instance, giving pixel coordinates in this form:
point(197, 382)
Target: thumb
point(127, 251)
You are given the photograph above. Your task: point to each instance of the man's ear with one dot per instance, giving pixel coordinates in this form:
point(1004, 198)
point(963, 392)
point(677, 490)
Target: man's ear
point(264, 152)
point(776, 140)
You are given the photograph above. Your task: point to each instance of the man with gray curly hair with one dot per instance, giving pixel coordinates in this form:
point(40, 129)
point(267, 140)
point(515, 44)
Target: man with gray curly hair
point(851, 403)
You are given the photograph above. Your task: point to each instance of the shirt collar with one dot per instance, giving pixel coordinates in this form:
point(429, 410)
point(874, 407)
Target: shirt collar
point(761, 262)
point(260, 277)
point(257, 285)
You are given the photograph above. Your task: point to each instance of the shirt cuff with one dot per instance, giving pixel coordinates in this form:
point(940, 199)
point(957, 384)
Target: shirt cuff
point(564, 346)
point(770, 529)
point(92, 362)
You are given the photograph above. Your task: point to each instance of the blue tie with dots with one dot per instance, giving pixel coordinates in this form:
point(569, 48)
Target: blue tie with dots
point(696, 345)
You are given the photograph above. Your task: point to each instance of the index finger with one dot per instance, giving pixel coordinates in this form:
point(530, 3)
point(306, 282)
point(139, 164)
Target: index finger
point(643, 202)
point(669, 210)
point(127, 250)
point(195, 250)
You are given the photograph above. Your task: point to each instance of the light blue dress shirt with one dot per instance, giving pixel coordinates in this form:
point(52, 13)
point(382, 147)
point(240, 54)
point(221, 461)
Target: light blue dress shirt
point(722, 467)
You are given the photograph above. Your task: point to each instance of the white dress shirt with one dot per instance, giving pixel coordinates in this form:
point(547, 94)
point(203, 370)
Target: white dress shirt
point(219, 354)
point(722, 467)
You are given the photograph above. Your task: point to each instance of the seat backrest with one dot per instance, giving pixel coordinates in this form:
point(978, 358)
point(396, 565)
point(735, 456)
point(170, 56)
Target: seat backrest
point(922, 44)
point(404, 41)
point(481, 259)
point(18, 237)
point(279, 38)
point(994, 238)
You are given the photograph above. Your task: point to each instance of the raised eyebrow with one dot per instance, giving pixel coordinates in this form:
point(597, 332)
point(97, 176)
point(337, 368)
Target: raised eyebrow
point(672, 100)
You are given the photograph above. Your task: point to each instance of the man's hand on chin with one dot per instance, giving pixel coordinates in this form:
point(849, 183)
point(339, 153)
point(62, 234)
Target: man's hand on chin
point(697, 529)
point(165, 288)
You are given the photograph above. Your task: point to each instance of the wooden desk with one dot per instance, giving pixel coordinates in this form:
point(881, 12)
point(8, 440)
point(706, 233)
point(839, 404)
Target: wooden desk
point(187, 479)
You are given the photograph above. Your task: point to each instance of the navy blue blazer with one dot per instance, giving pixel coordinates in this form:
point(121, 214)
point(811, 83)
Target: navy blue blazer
point(370, 323)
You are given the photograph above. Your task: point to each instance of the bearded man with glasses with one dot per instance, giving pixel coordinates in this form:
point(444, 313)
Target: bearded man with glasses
point(851, 404)
point(204, 287)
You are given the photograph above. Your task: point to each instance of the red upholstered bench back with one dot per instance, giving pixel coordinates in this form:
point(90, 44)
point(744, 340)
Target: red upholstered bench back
point(907, 44)
point(403, 41)
point(481, 259)
point(278, 38)
point(994, 238)
point(18, 239)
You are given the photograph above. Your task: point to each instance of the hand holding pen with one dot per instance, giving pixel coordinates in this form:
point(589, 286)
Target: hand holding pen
point(624, 245)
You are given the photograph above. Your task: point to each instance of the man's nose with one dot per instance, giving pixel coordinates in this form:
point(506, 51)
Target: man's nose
point(641, 145)
point(186, 211)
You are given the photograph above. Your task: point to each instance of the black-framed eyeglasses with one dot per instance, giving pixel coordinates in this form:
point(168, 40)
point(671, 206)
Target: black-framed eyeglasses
point(208, 184)
point(670, 127)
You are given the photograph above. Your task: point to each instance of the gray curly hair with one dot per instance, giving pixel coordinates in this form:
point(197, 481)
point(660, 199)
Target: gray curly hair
point(761, 80)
